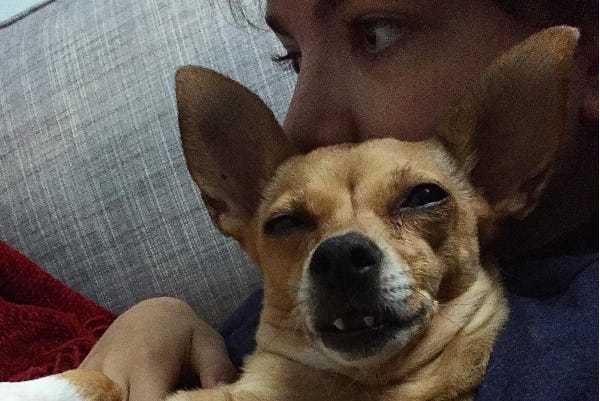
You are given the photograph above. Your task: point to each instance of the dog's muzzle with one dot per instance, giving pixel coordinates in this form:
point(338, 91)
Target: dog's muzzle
point(350, 304)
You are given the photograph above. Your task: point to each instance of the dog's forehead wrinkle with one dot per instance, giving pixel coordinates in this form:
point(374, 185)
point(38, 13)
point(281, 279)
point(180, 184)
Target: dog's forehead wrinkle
point(288, 201)
point(349, 169)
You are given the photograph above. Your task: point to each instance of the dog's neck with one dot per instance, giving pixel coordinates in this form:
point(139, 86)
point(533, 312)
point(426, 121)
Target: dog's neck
point(464, 323)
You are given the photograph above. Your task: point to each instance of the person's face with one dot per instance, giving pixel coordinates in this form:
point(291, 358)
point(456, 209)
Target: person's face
point(372, 68)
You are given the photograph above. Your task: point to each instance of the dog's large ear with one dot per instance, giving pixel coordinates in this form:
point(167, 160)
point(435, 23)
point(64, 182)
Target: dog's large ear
point(506, 132)
point(232, 144)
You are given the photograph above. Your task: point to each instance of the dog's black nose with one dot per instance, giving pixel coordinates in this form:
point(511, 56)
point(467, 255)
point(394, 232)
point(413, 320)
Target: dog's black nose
point(346, 259)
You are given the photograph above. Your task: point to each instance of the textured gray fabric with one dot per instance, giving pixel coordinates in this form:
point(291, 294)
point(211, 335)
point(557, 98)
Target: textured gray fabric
point(93, 185)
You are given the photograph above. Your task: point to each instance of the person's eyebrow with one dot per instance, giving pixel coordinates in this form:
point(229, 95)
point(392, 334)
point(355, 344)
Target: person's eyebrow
point(322, 9)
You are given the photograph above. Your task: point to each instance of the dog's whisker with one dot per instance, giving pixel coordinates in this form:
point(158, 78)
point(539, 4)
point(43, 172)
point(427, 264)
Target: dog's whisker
point(442, 315)
point(421, 274)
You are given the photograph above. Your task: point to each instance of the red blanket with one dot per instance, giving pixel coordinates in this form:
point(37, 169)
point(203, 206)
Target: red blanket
point(45, 326)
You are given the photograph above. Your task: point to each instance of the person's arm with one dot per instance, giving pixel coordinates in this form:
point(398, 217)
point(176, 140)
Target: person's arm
point(151, 347)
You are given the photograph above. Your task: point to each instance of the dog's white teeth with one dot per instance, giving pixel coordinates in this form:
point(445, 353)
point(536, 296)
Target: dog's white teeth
point(339, 324)
point(369, 321)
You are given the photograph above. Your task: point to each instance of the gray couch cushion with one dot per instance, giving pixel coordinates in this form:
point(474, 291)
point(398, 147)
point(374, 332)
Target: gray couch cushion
point(93, 185)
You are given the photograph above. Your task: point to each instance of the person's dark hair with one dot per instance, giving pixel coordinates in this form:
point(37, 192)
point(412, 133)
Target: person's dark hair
point(243, 13)
point(578, 13)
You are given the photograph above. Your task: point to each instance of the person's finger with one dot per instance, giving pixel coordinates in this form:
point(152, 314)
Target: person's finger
point(210, 360)
point(150, 385)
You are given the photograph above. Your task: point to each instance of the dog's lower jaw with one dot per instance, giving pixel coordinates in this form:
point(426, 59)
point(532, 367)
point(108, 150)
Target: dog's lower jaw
point(374, 354)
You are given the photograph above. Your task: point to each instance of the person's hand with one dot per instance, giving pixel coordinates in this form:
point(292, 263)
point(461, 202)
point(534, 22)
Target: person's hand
point(157, 343)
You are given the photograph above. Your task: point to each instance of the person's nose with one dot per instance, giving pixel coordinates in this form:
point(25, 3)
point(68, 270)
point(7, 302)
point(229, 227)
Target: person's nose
point(321, 111)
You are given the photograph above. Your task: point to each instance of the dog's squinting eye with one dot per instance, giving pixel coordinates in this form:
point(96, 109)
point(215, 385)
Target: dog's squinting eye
point(424, 196)
point(284, 224)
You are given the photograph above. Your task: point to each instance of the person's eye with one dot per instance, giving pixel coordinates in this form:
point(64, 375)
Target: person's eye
point(288, 60)
point(377, 34)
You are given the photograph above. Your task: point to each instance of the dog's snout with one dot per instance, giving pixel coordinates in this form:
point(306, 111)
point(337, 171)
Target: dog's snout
point(345, 258)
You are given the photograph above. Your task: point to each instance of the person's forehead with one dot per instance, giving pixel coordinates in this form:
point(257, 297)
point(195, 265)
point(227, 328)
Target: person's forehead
point(333, 4)
point(321, 9)
point(313, 4)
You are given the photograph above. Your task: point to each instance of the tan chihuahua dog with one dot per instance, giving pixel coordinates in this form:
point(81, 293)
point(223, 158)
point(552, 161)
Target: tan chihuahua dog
point(378, 274)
